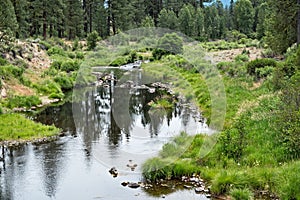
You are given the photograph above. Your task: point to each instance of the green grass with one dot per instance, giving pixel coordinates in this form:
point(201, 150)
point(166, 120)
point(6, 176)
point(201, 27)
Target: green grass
point(17, 127)
point(249, 156)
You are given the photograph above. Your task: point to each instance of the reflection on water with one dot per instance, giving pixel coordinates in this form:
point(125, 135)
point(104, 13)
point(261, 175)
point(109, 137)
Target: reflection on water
point(109, 130)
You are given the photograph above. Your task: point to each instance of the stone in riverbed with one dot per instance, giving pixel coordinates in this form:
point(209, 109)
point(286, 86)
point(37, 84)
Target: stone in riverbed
point(199, 189)
point(133, 185)
point(113, 171)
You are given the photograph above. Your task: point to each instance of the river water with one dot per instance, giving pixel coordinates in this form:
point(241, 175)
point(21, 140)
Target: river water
point(98, 136)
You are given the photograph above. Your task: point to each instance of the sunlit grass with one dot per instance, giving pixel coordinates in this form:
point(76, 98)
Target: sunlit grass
point(16, 126)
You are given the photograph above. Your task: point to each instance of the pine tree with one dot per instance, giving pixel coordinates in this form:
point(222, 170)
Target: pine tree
point(168, 19)
point(8, 20)
point(263, 12)
point(244, 16)
point(21, 12)
point(186, 20)
point(282, 24)
point(73, 19)
point(199, 24)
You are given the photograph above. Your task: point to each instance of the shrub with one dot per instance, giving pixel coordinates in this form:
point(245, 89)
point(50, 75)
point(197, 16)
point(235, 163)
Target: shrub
point(56, 50)
point(79, 55)
point(241, 58)
point(171, 43)
point(75, 44)
point(9, 71)
point(3, 62)
point(268, 53)
point(119, 61)
point(1, 111)
point(56, 96)
point(71, 55)
point(23, 101)
point(56, 64)
point(259, 63)
point(45, 44)
point(92, 39)
point(68, 66)
point(64, 82)
point(241, 194)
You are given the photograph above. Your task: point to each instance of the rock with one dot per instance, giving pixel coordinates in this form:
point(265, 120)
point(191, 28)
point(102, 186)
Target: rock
point(131, 165)
point(124, 183)
point(194, 179)
point(188, 186)
point(199, 189)
point(113, 171)
point(208, 195)
point(133, 185)
point(163, 196)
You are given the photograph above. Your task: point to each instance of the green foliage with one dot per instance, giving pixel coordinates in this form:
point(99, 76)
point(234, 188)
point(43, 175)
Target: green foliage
point(16, 126)
point(56, 51)
point(8, 19)
point(167, 19)
point(241, 194)
point(9, 71)
point(241, 58)
point(64, 81)
point(1, 111)
point(171, 43)
point(281, 30)
point(3, 62)
point(121, 60)
point(92, 39)
point(244, 14)
point(23, 101)
point(70, 65)
point(254, 67)
point(289, 117)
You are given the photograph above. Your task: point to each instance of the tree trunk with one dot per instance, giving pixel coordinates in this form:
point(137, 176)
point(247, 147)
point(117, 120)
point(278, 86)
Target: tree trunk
point(298, 23)
point(45, 25)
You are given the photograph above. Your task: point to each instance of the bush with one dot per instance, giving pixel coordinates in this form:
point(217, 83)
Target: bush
point(69, 66)
point(92, 39)
point(79, 55)
point(242, 58)
point(119, 61)
point(45, 44)
point(9, 71)
point(23, 101)
point(56, 51)
point(241, 194)
point(171, 43)
point(259, 63)
point(56, 64)
point(64, 82)
point(1, 111)
point(3, 62)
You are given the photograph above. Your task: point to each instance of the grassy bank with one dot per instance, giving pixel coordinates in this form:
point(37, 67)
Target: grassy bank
point(257, 153)
point(17, 127)
point(45, 70)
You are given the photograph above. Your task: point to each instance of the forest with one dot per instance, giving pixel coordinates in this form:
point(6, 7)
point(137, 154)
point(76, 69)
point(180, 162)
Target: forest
point(272, 21)
point(49, 47)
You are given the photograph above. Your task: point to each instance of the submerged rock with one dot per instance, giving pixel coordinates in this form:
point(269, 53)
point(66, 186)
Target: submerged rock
point(133, 185)
point(113, 171)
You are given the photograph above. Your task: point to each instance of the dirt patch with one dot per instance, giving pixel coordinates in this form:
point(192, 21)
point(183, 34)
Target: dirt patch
point(21, 90)
point(229, 55)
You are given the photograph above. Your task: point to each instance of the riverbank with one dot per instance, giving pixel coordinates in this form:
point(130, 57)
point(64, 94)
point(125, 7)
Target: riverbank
point(16, 129)
point(252, 158)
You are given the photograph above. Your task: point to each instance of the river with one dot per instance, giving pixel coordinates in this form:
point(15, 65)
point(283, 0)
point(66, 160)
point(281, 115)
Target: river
point(98, 136)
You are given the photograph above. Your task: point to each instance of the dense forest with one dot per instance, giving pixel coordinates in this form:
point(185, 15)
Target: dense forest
point(273, 21)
